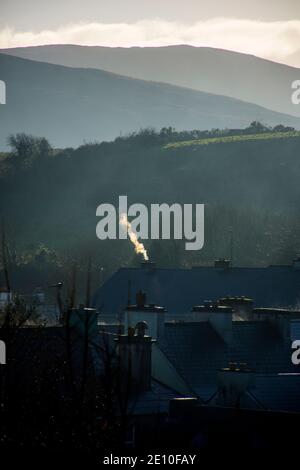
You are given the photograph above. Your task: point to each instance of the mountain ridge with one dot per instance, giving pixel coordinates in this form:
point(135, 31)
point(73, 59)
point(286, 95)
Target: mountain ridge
point(219, 71)
point(72, 105)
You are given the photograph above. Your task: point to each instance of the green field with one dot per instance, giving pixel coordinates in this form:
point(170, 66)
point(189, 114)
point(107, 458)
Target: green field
point(232, 138)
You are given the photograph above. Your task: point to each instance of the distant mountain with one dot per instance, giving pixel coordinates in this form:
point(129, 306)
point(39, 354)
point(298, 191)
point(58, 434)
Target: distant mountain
point(232, 74)
point(294, 59)
point(69, 106)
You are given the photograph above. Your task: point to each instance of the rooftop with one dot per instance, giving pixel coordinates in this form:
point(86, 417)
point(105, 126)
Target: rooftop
point(180, 289)
point(198, 353)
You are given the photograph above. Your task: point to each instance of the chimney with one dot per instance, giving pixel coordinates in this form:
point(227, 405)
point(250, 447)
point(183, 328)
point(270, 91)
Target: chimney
point(222, 263)
point(242, 306)
point(219, 317)
point(140, 299)
point(148, 266)
point(135, 356)
point(152, 314)
point(233, 382)
point(277, 318)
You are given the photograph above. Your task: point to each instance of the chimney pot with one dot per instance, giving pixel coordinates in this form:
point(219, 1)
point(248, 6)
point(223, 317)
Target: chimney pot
point(140, 299)
point(141, 328)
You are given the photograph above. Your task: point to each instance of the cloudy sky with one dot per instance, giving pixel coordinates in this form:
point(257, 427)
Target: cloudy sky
point(266, 28)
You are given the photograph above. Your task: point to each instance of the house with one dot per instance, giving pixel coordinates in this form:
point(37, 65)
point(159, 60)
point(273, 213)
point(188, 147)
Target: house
point(178, 290)
point(213, 381)
point(5, 297)
point(238, 373)
point(188, 356)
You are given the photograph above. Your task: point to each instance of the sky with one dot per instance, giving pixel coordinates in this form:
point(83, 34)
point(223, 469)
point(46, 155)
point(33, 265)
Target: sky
point(266, 28)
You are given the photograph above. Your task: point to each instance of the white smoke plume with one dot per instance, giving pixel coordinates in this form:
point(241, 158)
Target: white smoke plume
point(138, 246)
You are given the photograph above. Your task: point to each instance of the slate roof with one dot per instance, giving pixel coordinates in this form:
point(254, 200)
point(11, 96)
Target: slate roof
point(180, 289)
point(198, 352)
point(153, 401)
point(278, 392)
point(259, 346)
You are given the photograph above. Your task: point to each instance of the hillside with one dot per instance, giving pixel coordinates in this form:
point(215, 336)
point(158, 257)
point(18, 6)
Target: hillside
point(232, 74)
point(69, 106)
point(249, 187)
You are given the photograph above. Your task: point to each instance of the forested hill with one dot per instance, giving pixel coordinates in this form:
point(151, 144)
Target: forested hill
point(251, 187)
